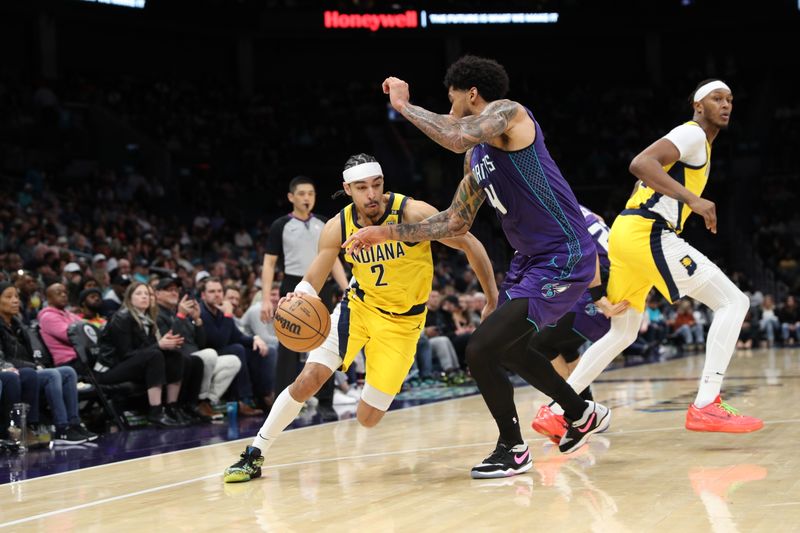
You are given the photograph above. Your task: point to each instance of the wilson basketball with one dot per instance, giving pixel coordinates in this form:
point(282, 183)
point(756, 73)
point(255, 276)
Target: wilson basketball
point(301, 324)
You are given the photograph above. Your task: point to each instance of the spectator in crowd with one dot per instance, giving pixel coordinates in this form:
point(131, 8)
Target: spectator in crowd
point(90, 307)
point(54, 320)
point(466, 314)
point(223, 335)
point(685, 328)
point(768, 323)
point(113, 296)
point(30, 299)
point(233, 295)
point(657, 326)
point(440, 345)
point(789, 316)
point(20, 385)
point(456, 326)
point(749, 334)
point(58, 384)
point(132, 349)
point(252, 324)
point(73, 278)
point(181, 315)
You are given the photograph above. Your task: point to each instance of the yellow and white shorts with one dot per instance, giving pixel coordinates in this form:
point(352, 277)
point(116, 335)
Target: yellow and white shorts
point(389, 342)
point(645, 253)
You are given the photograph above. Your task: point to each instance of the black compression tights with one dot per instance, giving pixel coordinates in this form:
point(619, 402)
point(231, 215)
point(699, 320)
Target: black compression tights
point(494, 347)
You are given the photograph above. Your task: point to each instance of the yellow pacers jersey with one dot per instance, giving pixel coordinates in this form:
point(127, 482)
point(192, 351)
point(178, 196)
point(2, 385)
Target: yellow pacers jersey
point(393, 276)
point(674, 212)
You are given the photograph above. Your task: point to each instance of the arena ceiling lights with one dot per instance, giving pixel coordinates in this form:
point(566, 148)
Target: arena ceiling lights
point(413, 19)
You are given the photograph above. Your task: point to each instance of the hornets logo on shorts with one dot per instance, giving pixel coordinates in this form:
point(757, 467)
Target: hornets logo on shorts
point(689, 264)
point(590, 309)
point(551, 289)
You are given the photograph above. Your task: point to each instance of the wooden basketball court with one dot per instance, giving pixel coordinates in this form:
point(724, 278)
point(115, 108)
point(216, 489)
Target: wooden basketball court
point(411, 472)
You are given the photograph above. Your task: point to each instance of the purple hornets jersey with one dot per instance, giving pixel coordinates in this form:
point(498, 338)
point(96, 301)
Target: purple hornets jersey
point(555, 260)
point(538, 210)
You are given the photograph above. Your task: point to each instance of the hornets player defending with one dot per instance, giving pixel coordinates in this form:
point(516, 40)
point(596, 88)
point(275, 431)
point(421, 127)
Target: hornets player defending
point(383, 310)
point(646, 250)
point(507, 162)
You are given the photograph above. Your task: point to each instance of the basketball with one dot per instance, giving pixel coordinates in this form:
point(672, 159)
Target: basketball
point(301, 324)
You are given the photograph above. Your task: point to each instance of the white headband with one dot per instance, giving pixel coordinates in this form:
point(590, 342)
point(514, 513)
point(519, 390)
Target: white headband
point(362, 172)
point(703, 91)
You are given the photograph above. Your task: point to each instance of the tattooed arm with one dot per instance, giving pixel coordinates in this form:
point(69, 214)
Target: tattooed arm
point(455, 220)
point(456, 134)
point(461, 134)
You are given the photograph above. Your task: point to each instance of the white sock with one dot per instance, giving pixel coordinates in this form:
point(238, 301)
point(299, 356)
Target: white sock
point(730, 306)
point(283, 412)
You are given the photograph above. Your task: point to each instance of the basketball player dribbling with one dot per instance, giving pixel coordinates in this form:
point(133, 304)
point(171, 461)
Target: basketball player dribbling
point(646, 251)
point(383, 310)
point(507, 162)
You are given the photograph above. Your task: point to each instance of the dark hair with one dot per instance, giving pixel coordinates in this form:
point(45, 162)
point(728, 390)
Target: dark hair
point(691, 96)
point(209, 279)
point(354, 161)
point(359, 159)
point(486, 75)
point(299, 180)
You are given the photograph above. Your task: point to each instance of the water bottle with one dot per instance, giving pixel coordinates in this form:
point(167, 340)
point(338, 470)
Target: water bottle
point(18, 431)
point(232, 408)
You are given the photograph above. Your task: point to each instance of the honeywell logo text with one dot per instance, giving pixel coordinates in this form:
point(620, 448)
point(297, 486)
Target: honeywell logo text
point(371, 21)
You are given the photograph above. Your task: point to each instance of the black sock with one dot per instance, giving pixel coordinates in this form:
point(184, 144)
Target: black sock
point(587, 394)
point(573, 405)
point(510, 433)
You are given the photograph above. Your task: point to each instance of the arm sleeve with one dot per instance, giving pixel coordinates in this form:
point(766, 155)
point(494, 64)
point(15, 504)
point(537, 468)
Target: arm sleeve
point(690, 141)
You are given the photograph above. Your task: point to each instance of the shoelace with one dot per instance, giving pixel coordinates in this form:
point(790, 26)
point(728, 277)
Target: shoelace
point(497, 454)
point(728, 408)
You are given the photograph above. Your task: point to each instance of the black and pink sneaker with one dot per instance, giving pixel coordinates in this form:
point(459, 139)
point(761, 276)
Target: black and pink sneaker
point(595, 419)
point(504, 462)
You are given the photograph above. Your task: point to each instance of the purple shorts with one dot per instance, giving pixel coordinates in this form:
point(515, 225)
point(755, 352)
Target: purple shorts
point(589, 322)
point(550, 296)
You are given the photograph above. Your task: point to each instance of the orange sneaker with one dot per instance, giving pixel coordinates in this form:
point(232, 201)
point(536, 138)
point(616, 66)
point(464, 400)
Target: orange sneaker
point(721, 417)
point(549, 424)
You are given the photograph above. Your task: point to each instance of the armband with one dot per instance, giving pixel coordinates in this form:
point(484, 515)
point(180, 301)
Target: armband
point(597, 292)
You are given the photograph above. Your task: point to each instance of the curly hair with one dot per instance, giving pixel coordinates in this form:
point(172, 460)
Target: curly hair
point(359, 159)
point(486, 75)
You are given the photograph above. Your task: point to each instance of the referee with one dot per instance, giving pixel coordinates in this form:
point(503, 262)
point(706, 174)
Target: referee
point(293, 240)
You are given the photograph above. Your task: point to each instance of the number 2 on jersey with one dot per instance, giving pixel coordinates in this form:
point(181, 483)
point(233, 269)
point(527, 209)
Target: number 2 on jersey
point(379, 269)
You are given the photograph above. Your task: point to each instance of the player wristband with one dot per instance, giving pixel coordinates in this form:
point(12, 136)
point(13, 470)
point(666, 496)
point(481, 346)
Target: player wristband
point(305, 287)
point(180, 315)
point(597, 292)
